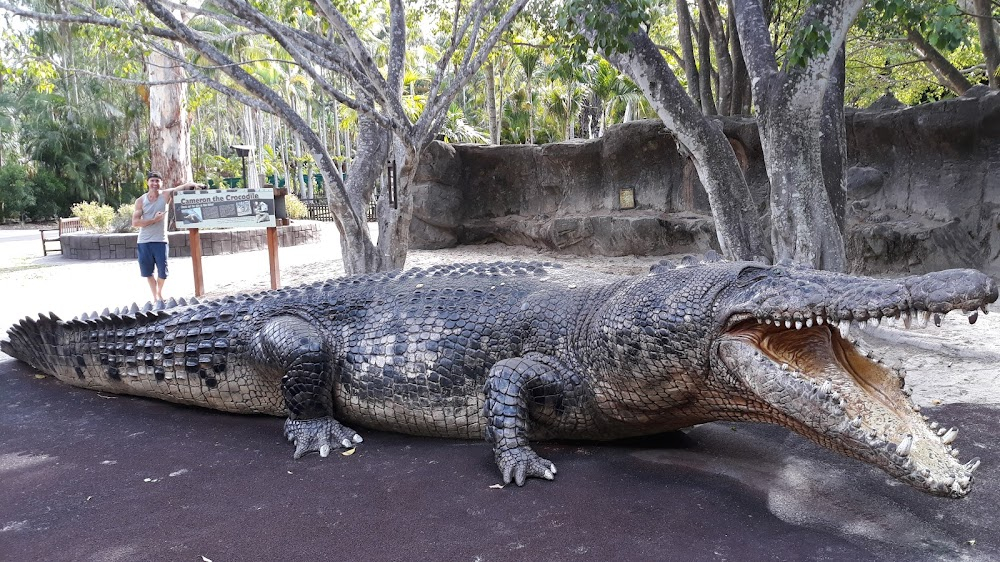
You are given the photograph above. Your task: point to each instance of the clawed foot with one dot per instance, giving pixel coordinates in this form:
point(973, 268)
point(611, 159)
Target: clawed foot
point(319, 435)
point(520, 463)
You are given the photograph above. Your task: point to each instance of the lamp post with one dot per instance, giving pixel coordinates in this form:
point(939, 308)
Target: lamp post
point(243, 150)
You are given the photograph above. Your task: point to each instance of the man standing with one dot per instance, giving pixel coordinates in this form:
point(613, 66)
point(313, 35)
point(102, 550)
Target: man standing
point(150, 217)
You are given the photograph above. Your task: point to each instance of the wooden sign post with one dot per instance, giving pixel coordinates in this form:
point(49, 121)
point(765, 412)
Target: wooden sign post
point(227, 208)
point(199, 280)
point(272, 256)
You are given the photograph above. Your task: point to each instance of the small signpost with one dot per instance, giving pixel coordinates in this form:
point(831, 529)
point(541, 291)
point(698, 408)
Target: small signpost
point(227, 208)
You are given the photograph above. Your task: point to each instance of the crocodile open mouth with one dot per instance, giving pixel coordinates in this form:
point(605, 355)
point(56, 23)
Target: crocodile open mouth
point(827, 389)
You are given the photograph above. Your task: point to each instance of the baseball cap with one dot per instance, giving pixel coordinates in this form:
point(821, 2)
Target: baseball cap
point(152, 175)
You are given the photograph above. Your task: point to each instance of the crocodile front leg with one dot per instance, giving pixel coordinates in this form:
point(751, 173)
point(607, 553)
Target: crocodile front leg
point(295, 347)
point(517, 391)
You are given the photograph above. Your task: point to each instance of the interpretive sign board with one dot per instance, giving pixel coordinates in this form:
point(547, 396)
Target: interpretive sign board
point(224, 208)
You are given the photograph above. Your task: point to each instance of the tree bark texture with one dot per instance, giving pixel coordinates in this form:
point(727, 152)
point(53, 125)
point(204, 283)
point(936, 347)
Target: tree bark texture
point(946, 73)
point(988, 39)
point(684, 31)
point(833, 135)
point(724, 62)
point(741, 80)
point(705, 68)
point(169, 128)
point(491, 103)
point(394, 219)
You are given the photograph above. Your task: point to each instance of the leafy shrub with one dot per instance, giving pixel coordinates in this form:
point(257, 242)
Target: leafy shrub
point(49, 195)
point(295, 207)
point(15, 192)
point(94, 216)
point(122, 221)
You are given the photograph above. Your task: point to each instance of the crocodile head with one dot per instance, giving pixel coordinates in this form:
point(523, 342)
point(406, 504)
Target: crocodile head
point(781, 342)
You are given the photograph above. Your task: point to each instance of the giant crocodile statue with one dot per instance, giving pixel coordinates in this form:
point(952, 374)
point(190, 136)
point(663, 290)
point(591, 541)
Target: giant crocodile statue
point(519, 351)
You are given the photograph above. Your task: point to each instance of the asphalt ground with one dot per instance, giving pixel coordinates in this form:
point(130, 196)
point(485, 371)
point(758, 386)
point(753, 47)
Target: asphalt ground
point(88, 476)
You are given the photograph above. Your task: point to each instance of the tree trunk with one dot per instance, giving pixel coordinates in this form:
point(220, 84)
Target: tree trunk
point(570, 121)
point(790, 106)
point(724, 62)
point(687, 50)
point(834, 140)
point(394, 220)
point(169, 129)
point(705, 68)
point(736, 222)
point(741, 80)
point(946, 73)
point(988, 39)
point(803, 225)
point(491, 103)
point(367, 166)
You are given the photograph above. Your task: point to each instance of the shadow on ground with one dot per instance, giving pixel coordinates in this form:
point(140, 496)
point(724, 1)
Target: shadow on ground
point(87, 476)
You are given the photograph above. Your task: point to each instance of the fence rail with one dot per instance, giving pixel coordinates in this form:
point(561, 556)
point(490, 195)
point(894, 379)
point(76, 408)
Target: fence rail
point(322, 212)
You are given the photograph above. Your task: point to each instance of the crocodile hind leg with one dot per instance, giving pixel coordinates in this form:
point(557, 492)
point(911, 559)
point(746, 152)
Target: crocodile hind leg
point(517, 391)
point(296, 349)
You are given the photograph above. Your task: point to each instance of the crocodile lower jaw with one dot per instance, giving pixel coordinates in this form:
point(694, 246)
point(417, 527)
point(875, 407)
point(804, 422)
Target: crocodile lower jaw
point(817, 383)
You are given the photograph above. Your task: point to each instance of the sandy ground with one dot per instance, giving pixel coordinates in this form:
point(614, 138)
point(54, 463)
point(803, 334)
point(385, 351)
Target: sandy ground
point(956, 363)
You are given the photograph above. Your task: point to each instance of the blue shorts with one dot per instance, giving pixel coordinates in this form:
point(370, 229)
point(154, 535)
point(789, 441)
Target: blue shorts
point(150, 254)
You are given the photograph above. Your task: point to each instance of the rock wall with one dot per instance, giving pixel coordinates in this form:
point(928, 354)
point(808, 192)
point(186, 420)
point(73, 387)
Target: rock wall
point(923, 190)
point(90, 246)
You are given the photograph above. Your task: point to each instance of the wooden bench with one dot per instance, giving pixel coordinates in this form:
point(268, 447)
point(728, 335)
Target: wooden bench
point(52, 235)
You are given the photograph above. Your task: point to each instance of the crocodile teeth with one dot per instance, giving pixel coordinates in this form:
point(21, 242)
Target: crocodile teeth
point(954, 453)
point(798, 324)
point(856, 422)
point(907, 320)
point(845, 328)
point(937, 320)
point(972, 465)
point(925, 317)
point(950, 436)
point(903, 449)
point(825, 390)
point(948, 481)
point(788, 324)
point(964, 481)
point(985, 308)
point(820, 320)
point(934, 425)
point(809, 322)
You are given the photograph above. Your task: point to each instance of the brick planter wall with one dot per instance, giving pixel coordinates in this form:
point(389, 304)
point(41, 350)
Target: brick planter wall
point(90, 246)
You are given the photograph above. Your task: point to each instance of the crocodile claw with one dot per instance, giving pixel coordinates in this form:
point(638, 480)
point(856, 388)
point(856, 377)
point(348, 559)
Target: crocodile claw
point(520, 463)
point(319, 435)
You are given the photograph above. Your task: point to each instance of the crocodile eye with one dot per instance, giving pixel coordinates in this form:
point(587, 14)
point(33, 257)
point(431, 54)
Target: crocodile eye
point(752, 275)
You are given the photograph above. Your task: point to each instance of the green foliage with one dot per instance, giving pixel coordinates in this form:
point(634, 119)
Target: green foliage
point(51, 200)
point(612, 20)
point(808, 41)
point(15, 192)
point(122, 221)
point(94, 216)
point(296, 208)
point(939, 21)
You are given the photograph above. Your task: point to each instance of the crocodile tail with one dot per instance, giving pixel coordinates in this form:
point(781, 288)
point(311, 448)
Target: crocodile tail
point(35, 342)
